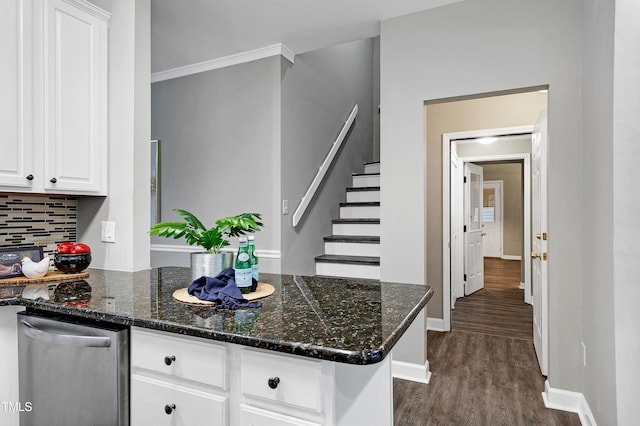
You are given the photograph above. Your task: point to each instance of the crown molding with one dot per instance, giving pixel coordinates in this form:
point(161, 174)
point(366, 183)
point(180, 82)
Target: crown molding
point(238, 58)
point(91, 9)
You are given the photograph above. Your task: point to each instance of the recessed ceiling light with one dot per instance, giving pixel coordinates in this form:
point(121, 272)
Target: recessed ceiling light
point(486, 141)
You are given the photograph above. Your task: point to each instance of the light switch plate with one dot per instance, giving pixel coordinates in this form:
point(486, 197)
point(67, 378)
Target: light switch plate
point(108, 234)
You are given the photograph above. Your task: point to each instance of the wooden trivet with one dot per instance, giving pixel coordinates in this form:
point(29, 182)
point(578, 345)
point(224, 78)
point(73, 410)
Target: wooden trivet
point(262, 290)
point(51, 276)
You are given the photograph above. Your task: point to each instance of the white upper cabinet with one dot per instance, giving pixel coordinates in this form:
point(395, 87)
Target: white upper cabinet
point(58, 111)
point(16, 94)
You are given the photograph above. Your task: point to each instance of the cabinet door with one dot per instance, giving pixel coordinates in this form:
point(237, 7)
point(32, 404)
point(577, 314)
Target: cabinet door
point(75, 97)
point(16, 121)
point(159, 403)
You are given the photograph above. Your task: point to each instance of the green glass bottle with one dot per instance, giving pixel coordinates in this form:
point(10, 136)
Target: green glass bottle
point(253, 258)
point(243, 267)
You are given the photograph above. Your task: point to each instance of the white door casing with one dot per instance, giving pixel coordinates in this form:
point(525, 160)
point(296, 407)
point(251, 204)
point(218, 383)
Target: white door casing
point(457, 259)
point(492, 218)
point(473, 229)
point(539, 241)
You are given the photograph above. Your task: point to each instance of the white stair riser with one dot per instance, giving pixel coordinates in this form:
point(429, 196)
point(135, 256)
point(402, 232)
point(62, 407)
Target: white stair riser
point(356, 229)
point(360, 212)
point(365, 180)
point(348, 270)
point(372, 168)
point(352, 249)
point(363, 196)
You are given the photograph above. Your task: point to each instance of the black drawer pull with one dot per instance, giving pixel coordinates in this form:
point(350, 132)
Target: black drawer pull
point(29, 177)
point(169, 359)
point(169, 408)
point(53, 180)
point(273, 382)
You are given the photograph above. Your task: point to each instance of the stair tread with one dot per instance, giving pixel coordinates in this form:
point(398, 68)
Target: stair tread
point(361, 204)
point(371, 162)
point(335, 258)
point(366, 174)
point(363, 188)
point(364, 220)
point(370, 239)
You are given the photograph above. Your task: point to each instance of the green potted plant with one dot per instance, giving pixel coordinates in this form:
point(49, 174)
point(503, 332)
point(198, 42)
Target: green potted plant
point(212, 261)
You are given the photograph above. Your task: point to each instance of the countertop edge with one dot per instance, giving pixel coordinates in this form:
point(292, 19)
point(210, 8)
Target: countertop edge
point(365, 357)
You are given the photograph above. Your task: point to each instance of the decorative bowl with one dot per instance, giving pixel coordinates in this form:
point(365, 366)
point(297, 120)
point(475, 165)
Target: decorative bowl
point(70, 263)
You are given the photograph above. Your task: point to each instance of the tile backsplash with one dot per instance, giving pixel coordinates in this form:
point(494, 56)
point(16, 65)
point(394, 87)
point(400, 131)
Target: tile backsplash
point(37, 220)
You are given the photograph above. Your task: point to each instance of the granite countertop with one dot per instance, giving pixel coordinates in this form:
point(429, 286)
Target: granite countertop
point(345, 320)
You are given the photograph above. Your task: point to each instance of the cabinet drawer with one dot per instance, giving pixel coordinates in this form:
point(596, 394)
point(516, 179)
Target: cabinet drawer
point(188, 358)
point(299, 381)
point(154, 402)
point(250, 416)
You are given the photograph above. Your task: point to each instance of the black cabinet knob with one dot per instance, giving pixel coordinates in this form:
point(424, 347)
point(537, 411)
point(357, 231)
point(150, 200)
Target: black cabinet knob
point(169, 408)
point(273, 382)
point(29, 177)
point(169, 359)
point(53, 180)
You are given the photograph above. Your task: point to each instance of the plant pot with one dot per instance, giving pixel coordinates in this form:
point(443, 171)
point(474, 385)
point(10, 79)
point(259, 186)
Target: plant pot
point(210, 265)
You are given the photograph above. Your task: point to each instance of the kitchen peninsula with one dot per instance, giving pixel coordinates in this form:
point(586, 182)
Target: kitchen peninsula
point(316, 352)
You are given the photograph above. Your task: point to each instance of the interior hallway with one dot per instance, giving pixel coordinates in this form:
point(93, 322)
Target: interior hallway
point(485, 371)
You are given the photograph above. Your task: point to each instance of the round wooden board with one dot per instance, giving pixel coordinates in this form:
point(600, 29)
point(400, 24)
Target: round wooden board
point(262, 290)
point(51, 276)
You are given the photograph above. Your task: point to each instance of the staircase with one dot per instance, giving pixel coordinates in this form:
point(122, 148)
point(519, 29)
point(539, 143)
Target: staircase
point(353, 249)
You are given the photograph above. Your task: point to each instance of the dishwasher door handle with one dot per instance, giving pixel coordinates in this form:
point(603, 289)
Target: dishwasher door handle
point(64, 339)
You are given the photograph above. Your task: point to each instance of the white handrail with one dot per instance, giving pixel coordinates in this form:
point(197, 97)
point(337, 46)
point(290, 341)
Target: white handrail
point(315, 183)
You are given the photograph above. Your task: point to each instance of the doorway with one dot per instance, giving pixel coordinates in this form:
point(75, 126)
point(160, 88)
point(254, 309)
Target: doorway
point(454, 263)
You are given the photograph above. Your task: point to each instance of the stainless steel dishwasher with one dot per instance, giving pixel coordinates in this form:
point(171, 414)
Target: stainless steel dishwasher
point(73, 373)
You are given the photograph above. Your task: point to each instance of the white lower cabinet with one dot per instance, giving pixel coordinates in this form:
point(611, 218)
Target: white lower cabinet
point(161, 403)
point(182, 380)
point(251, 416)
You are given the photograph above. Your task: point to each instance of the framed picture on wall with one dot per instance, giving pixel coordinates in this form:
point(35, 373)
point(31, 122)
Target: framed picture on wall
point(11, 257)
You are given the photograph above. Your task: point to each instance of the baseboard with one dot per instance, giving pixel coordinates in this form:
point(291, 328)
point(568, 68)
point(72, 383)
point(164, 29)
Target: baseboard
point(510, 257)
point(435, 324)
point(574, 402)
point(408, 371)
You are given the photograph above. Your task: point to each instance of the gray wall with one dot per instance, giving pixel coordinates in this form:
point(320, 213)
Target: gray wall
point(626, 200)
point(483, 46)
point(598, 377)
point(318, 92)
point(220, 146)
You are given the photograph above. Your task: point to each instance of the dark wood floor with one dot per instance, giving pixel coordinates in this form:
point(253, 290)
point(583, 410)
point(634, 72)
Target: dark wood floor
point(485, 371)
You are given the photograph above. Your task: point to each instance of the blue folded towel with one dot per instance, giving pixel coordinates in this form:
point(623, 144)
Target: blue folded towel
point(221, 289)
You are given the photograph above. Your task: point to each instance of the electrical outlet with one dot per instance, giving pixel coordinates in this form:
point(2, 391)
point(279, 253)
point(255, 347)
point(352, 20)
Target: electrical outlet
point(584, 354)
point(108, 234)
point(285, 206)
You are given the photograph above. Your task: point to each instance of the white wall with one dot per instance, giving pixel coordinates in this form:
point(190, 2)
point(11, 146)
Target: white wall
point(129, 133)
point(626, 204)
point(473, 47)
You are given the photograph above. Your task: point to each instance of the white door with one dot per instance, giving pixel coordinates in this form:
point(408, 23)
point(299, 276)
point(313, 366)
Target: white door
point(492, 217)
point(473, 230)
point(457, 258)
point(539, 240)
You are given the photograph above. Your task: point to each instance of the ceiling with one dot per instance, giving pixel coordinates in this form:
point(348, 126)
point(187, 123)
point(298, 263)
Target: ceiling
point(191, 31)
